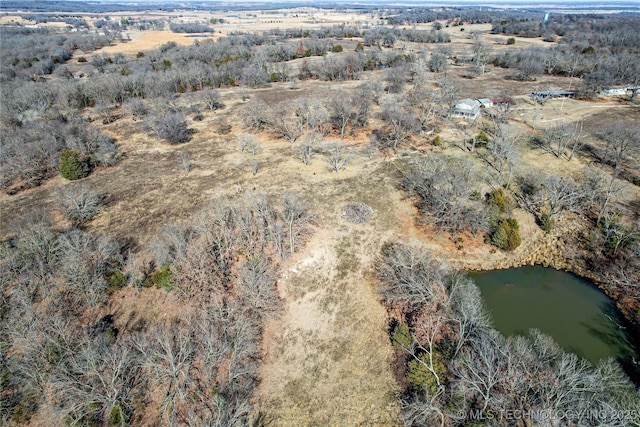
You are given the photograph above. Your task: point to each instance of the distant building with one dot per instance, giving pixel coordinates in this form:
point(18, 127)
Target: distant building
point(502, 100)
point(614, 91)
point(467, 109)
point(542, 96)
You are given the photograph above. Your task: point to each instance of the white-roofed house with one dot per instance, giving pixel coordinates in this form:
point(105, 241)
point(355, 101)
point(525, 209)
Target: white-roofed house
point(467, 109)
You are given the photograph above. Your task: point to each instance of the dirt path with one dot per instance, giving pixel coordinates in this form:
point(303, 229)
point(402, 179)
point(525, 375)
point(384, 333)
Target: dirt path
point(327, 360)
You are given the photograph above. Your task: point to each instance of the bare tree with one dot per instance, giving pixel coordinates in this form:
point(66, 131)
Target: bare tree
point(98, 384)
point(255, 115)
point(559, 139)
point(480, 56)
point(296, 215)
point(79, 203)
point(185, 163)
point(406, 274)
point(257, 284)
point(483, 368)
point(171, 127)
point(306, 150)
point(212, 99)
point(399, 121)
point(289, 124)
point(562, 192)
point(171, 244)
point(249, 143)
point(86, 259)
point(136, 107)
point(168, 354)
point(443, 188)
point(622, 144)
point(438, 62)
point(469, 314)
point(337, 156)
point(341, 113)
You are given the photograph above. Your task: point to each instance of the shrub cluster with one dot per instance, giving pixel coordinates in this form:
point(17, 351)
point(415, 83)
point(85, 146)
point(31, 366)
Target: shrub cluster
point(506, 234)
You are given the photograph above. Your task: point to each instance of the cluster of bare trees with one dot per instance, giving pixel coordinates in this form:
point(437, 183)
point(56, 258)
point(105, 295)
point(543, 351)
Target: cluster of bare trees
point(460, 370)
point(196, 368)
point(30, 149)
point(311, 117)
point(36, 51)
point(444, 191)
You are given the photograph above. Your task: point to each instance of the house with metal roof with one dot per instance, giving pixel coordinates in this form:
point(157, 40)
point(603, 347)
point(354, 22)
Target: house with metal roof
point(542, 96)
point(467, 109)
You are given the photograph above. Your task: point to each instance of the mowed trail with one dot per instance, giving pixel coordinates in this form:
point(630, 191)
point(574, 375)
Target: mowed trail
point(327, 359)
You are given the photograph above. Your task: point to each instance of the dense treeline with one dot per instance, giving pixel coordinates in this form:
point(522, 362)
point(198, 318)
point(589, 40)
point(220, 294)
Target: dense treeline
point(458, 370)
point(28, 52)
point(602, 52)
point(190, 28)
point(63, 353)
point(424, 15)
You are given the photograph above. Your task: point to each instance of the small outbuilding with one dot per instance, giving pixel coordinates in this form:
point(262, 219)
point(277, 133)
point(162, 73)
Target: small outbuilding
point(485, 102)
point(502, 100)
point(467, 109)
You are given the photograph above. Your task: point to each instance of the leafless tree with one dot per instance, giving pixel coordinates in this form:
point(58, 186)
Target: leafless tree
point(212, 99)
point(306, 150)
point(288, 124)
point(256, 281)
point(315, 114)
point(171, 244)
point(249, 143)
point(136, 107)
point(337, 156)
point(85, 261)
point(341, 113)
point(438, 62)
point(399, 121)
point(98, 382)
point(255, 115)
point(396, 77)
point(79, 203)
point(185, 163)
point(448, 91)
point(168, 352)
point(425, 409)
point(470, 317)
point(171, 127)
point(600, 190)
point(296, 216)
point(559, 139)
point(483, 368)
point(480, 56)
point(406, 274)
point(561, 193)
point(443, 188)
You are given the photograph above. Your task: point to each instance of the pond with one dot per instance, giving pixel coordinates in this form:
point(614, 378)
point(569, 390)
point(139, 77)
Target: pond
point(580, 317)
